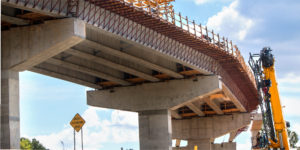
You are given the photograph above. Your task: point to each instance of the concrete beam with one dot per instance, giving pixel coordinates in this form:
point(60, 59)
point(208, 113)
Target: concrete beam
point(155, 96)
point(64, 77)
point(195, 109)
point(232, 135)
point(234, 100)
point(25, 47)
point(110, 64)
point(208, 127)
point(177, 144)
point(150, 49)
point(213, 105)
point(14, 20)
point(224, 146)
point(131, 58)
point(175, 114)
point(257, 122)
point(87, 71)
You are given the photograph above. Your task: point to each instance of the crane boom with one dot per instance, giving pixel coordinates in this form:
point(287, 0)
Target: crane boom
point(273, 119)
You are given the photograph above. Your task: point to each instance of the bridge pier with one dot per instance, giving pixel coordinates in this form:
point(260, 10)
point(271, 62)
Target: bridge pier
point(201, 131)
point(10, 121)
point(155, 104)
point(23, 48)
point(155, 130)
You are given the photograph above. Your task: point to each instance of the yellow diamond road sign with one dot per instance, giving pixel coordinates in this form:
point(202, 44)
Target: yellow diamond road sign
point(77, 122)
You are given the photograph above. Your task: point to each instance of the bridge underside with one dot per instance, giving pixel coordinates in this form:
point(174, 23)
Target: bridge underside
point(123, 59)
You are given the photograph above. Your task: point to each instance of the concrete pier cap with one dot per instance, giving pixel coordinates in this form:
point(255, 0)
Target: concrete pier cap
point(23, 48)
point(155, 96)
point(157, 102)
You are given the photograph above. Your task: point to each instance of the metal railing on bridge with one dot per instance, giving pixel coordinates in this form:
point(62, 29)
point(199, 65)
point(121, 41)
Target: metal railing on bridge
point(163, 9)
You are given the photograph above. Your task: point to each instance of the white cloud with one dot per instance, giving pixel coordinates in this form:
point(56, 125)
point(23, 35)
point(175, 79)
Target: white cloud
point(123, 127)
point(291, 105)
point(200, 1)
point(230, 22)
point(244, 146)
point(290, 78)
point(124, 118)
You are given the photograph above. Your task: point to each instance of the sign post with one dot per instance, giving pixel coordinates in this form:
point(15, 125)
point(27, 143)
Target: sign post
point(77, 122)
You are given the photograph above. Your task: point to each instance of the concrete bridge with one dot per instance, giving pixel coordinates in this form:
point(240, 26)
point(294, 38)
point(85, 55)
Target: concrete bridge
point(185, 82)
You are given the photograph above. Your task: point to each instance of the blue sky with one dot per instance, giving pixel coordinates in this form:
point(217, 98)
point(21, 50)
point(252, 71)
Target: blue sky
point(47, 105)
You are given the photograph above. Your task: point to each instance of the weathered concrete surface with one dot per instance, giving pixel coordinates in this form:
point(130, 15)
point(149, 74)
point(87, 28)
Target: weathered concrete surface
point(131, 58)
point(155, 130)
point(87, 70)
point(214, 104)
point(208, 127)
point(256, 126)
point(25, 47)
point(155, 96)
point(10, 121)
point(14, 20)
point(257, 122)
point(232, 135)
point(224, 146)
point(195, 109)
point(64, 77)
point(236, 102)
point(203, 144)
point(110, 64)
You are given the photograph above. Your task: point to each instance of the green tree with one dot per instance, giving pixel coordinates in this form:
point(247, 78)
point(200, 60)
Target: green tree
point(25, 144)
point(31, 145)
point(37, 145)
point(293, 138)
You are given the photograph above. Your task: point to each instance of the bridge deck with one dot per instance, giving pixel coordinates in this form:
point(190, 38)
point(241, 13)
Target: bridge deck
point(233, 70)
point(166, 32)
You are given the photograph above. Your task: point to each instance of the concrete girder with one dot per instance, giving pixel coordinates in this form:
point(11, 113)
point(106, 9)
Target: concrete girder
point(64, 77)
point(195, 109)
point(155, 96)
point(14, 20)
point(110, 64)
point(131, 58)
point(214, 104)
point(151, 49)
point(224, 146)
point(31, 45)
point(177, 144)
point(232, 135)
point(235, 101)
point(87, 70)
point(175, 114)
point(208, 127)
point(257, 122)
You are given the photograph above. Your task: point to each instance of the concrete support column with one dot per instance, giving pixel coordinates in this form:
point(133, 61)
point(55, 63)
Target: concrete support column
point(10, 121)
point(202, 144)
point(253, 136)
point(155, 130)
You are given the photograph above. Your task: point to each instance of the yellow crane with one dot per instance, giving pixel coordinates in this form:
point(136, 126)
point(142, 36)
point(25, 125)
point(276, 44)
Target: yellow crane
point(275, 126)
